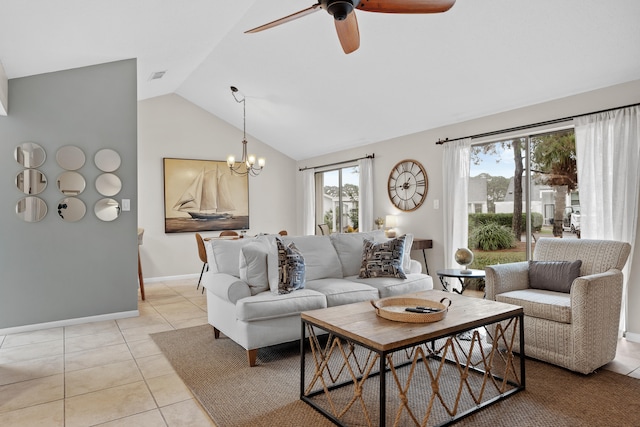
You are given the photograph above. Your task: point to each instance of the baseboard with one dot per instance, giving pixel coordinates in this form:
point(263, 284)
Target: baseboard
point(69, 322)
point(162, 279)
point(630, 336)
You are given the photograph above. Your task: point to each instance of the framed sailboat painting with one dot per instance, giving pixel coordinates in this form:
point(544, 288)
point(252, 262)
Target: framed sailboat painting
point(203, 195)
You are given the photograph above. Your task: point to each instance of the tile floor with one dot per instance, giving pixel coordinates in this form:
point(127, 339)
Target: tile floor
point(112, 374)
point(105, 373)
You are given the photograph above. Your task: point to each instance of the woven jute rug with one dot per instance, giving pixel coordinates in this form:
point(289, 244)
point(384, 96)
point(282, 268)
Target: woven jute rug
point(236, 395)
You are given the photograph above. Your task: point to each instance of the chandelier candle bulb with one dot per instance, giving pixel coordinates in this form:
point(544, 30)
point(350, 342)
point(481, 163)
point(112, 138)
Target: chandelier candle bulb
point(231, 161)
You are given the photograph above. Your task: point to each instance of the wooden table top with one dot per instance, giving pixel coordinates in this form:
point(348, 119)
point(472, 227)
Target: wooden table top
point(358, 322)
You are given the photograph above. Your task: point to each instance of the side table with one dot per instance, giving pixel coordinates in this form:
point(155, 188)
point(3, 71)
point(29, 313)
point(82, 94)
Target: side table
point(422, 244)
point(457, 273)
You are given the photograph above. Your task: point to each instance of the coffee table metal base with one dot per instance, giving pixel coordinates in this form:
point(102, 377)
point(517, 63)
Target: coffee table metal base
point(433, 383)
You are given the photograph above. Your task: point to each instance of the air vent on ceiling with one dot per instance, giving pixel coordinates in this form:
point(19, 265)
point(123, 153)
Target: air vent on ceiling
point(157, 75)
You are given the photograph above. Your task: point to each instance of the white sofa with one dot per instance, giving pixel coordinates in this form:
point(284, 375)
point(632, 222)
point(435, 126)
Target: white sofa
point(256, 317)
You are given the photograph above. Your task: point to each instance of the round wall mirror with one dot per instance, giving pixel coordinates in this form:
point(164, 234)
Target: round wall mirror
point(71, 183)
point(31, 181)
point(71, 209)
point(107, 160)
point(70, 157)
point(108, 184)
point(107, 209)
point(31, 209)
point(30, 155)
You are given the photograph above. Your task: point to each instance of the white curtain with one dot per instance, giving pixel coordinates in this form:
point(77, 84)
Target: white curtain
point(608, 161)
point(455, 171)
point(308, 219)
point(365, 209)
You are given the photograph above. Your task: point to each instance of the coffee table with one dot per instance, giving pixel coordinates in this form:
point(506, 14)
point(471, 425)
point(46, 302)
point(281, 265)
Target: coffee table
point(430, 377)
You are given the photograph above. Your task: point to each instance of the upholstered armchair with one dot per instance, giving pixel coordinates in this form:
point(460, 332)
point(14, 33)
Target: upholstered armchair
point(578, 329)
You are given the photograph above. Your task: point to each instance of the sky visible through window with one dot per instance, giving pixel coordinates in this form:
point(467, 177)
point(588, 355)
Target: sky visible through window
point(499, 164)
point(349, 176)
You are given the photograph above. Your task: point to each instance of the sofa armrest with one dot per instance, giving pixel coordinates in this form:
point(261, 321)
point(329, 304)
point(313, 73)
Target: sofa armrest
point(506, 277)
point(414, 267)
point(226, 286)
point(595, 309)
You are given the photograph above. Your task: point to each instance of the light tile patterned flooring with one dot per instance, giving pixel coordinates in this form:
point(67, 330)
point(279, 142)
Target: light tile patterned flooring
point(112, 374)
point(105, 373)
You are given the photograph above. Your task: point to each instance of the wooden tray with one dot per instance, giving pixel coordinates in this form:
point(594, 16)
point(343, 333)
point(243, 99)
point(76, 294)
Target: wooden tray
point(393, 308)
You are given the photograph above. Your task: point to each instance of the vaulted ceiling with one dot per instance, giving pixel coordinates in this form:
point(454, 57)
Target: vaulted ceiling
point(304, 96)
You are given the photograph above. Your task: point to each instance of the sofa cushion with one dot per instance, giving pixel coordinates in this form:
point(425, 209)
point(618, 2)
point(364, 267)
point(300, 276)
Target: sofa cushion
point(266, 305)
point(383, 259)
point(341, 291)
point(540, 303)
point(553, 275)
point(291, 269)
point(320, 258)
point(392, 286)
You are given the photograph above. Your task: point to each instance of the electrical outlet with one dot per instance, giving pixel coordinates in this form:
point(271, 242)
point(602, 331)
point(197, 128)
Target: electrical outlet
point(126, 205)
point(436, 204)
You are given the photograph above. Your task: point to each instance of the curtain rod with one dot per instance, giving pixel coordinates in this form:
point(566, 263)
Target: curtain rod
point(524, 127)
point(366, 156)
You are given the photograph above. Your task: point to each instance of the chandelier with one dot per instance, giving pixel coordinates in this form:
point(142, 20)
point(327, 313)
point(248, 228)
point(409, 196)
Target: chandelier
point(246, 166)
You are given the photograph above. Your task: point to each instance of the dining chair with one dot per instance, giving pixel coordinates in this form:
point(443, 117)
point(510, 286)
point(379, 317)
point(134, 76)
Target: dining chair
point(228, 233)
point(324, 229)
point(202, 253)
point(283, 232)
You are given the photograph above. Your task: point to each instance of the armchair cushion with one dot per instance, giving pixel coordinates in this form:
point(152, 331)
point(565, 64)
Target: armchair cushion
point(553, 275)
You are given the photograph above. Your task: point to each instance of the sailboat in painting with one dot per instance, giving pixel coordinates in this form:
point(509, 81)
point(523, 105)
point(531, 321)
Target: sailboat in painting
point(208, 196)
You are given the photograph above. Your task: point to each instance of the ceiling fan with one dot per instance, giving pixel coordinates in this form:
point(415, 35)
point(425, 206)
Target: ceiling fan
point(345, 18)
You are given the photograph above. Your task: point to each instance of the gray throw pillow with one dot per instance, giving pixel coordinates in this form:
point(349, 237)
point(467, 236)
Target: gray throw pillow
point(383, 259)
point(553, 275)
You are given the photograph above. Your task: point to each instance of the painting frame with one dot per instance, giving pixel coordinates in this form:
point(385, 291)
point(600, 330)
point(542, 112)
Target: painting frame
point(203, 195)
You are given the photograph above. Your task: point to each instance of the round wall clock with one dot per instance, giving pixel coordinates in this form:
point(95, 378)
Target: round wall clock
point(408, 185)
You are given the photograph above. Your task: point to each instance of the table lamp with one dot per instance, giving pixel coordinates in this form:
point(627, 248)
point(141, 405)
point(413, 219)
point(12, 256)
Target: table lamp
point(391, 224)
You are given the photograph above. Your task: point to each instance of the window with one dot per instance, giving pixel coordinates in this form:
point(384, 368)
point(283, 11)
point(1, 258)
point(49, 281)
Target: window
point(521, 189)
point(337, 196)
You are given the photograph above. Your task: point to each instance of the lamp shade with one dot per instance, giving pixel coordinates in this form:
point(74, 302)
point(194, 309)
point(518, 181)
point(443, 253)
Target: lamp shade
point(391, 221)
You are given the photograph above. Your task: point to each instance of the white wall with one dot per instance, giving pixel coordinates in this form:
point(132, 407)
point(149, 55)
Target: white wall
point(427, 222)
point(170, 126)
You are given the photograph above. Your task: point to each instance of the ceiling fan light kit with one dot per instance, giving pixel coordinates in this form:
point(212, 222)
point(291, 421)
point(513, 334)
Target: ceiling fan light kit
point(345, 18)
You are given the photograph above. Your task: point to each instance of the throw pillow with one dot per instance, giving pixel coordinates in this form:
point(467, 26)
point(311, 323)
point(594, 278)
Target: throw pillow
point(291, 269)
point(253, 267)
point(553, 275)
point(383, 259)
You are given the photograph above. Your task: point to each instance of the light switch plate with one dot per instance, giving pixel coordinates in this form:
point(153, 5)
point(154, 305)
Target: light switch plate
point(436, 204)
point(126, 204)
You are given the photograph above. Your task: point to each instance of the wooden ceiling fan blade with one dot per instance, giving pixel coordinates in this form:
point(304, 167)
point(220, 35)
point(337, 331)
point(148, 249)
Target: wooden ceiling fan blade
point(406, 6)
point(286, 19)
point(348, 33)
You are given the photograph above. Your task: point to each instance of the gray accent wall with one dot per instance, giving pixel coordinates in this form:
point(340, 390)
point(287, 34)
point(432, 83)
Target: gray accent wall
point(53, 270)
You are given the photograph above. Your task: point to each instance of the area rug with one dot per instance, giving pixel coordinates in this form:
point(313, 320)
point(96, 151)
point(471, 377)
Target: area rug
point(266, 395)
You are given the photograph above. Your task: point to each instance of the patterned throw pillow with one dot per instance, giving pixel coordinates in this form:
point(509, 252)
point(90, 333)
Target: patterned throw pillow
point(291, 270)
point(383, 259)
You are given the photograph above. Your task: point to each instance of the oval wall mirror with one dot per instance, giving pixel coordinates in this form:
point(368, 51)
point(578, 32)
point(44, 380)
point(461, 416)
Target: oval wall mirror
point(108, 184)
point(31, 209)
point(71, 183)
point(70, 157)
point(107, 209)
point(31, 181)
point(71, 209)
point(107, 160)
point(30, 155)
